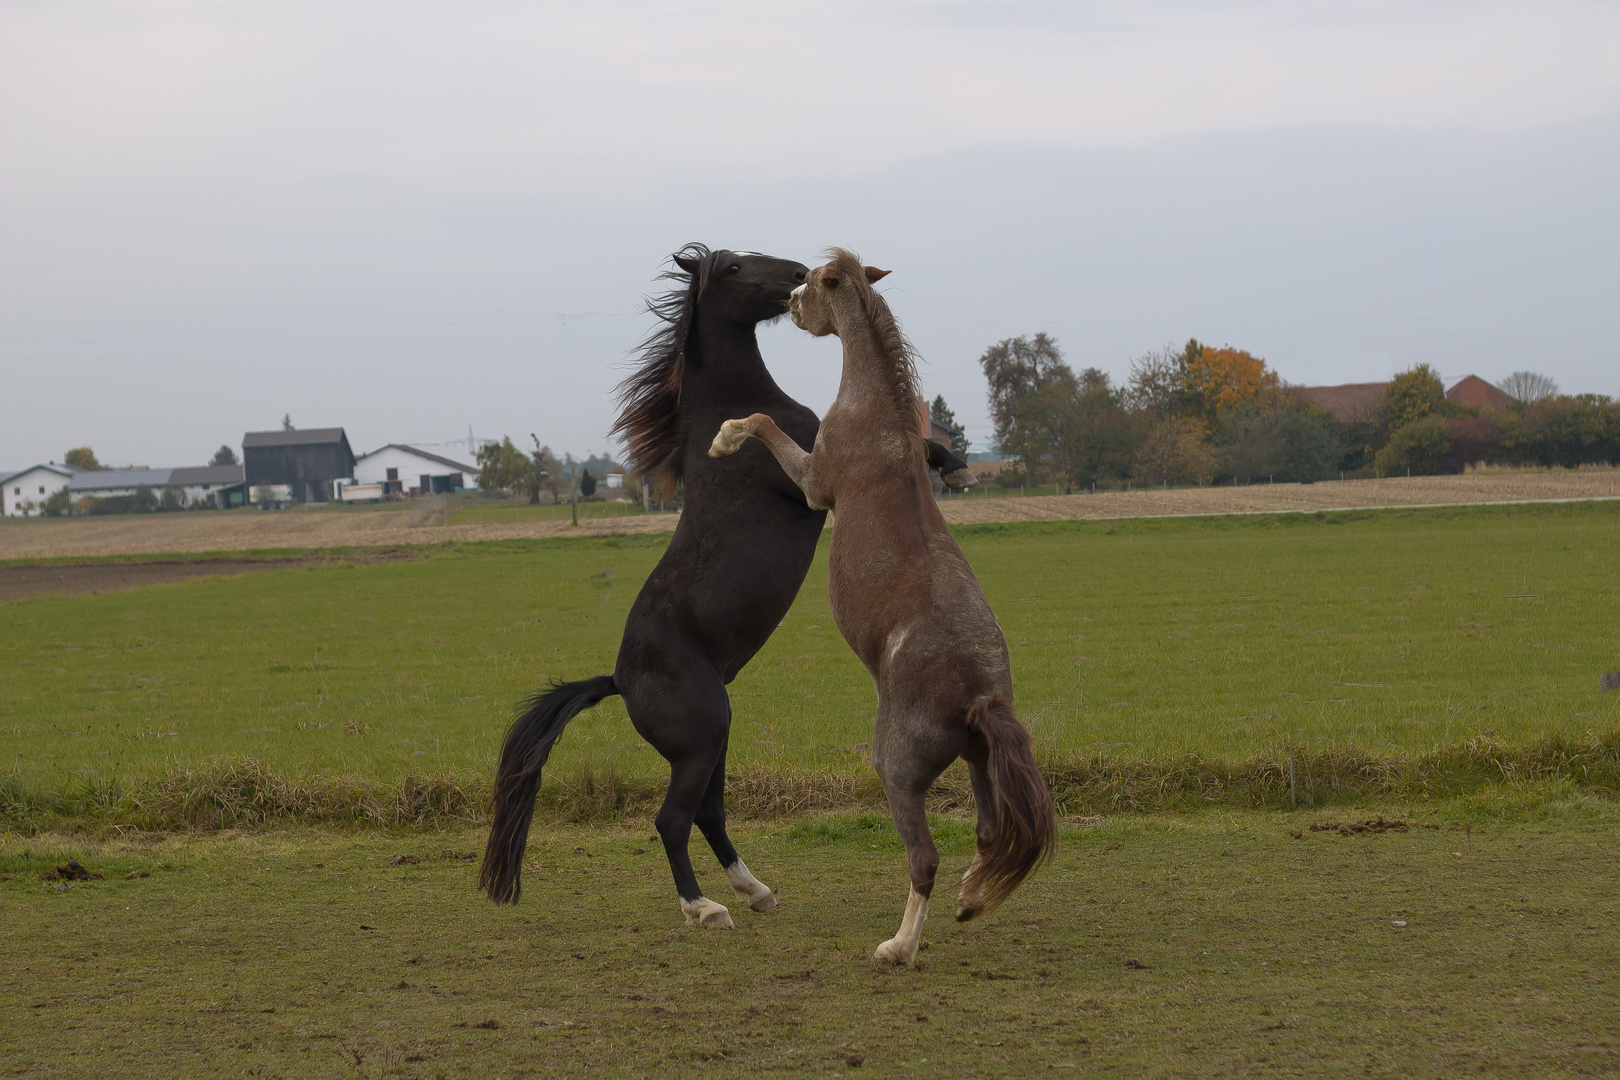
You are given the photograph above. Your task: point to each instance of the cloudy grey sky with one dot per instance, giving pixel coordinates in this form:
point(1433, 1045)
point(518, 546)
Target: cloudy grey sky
point(409, 219)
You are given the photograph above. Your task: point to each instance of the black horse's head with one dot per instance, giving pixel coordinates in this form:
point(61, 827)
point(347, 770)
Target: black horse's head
point(742, 285)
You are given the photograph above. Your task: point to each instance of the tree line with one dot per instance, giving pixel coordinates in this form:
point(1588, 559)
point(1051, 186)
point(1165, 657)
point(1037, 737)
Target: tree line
point(1199, 414)
point(504, 466)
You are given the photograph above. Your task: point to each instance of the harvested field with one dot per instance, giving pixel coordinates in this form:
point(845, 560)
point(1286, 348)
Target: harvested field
point(1303, 498)
point(250, 530)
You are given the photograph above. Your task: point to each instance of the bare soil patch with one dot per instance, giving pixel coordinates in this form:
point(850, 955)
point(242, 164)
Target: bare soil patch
point(317, 527)
point(19, 581)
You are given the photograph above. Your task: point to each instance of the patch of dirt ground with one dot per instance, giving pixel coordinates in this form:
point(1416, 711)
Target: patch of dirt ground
point(317, 527)
point(20, 581)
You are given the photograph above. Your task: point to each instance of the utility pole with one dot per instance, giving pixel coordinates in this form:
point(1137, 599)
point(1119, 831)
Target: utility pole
point(573, 495)
point(534, 493)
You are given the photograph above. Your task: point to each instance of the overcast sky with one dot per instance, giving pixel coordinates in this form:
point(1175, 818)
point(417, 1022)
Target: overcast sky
point(412, 219)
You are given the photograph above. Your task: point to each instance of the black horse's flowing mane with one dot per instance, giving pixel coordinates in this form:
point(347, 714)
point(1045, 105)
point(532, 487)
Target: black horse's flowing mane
point(650, 398)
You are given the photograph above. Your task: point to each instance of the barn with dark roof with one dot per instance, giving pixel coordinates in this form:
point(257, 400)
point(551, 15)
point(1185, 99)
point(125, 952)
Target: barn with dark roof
point(306, 460)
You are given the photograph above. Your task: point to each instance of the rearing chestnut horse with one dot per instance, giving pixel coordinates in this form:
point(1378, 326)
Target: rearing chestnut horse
point(741, 549)
point(907, 602)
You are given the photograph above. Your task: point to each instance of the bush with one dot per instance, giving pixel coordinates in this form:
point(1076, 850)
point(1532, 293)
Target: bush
point(1421, 447)
point(58, 503)
point(1563, 431)
point(1474, 439)
point(1290, 445)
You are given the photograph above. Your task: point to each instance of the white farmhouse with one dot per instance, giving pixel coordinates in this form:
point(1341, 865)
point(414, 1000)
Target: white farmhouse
point(415, 469)
point(25, 492)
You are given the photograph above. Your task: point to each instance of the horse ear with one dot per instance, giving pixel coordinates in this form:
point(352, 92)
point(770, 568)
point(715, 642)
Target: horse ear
point(689, 265)
point(874, 275)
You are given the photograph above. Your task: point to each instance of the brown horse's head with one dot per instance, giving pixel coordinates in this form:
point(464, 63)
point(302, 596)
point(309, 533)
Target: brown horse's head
point(811, 306)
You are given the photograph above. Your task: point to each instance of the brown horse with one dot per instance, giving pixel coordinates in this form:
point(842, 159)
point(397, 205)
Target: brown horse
point(907, 602)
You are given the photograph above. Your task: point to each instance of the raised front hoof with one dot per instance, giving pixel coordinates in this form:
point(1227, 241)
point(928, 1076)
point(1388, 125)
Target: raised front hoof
point(894, 952)
point(707, 915)
point(729, 439)
point(958, 479)
point(966, 911)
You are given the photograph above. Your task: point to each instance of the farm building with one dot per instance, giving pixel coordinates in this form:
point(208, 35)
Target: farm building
point(25, 492)
point(221, 485)
point(305, 461)
point(942, 433)
point(414, 468)
point(1473, 390)
point(1358, 402)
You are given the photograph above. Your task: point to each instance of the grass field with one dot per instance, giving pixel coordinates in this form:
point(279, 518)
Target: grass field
point(1438, 666)
point(1177, 648)
point(1173, 945)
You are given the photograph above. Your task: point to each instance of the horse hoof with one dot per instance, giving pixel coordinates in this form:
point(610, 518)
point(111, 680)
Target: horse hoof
point(763, 903)
point(959, 479)
point(707, 914)
point(728, 440)
point(964, 911)
point(893, 952)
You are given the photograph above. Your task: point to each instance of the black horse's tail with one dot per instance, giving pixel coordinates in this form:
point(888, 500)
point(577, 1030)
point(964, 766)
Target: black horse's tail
point(528, 744)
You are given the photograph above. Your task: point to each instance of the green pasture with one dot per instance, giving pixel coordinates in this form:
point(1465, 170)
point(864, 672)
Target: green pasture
point(1355, 636)
point(1480, 941)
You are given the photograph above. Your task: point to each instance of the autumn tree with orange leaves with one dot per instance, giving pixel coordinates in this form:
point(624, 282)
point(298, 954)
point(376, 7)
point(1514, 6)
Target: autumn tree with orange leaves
point(1222, 378)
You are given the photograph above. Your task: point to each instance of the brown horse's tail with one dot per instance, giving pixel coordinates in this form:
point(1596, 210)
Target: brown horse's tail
point(1025, 831)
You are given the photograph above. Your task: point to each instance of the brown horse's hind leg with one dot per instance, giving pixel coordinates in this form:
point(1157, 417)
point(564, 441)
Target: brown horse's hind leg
point(922, 860)
point(970, 900)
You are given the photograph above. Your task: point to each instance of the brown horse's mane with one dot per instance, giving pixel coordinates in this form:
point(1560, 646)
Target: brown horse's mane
point(650, 398)
point(899, 359)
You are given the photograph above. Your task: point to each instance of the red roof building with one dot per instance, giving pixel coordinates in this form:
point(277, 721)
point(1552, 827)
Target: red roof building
point(1355, 402)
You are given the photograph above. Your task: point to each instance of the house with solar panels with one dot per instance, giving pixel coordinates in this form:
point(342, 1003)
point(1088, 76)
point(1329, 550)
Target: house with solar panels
point(221, 485)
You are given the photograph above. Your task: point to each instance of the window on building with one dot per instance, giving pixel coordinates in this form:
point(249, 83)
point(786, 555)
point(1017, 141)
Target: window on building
point(393, 474)
point(42, 489)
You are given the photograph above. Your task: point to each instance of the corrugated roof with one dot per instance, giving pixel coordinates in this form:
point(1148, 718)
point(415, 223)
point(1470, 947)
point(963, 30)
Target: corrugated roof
point(207, 474)
point(295, 437)
point(104, 479)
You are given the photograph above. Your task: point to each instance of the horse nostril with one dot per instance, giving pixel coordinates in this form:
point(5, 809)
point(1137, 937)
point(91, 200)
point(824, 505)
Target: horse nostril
point(798, 275)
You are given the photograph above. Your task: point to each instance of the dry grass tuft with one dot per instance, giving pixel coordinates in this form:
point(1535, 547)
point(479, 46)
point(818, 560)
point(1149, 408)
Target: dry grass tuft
point(244, 792)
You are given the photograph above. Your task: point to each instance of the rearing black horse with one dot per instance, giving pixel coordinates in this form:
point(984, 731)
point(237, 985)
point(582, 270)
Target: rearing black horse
point(741, 550)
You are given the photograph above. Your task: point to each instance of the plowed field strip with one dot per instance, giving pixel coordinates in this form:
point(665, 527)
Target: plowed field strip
point(249, 530)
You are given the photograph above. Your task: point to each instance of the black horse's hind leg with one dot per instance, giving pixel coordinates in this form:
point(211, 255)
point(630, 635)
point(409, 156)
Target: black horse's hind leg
point(686, 719)
point(711, 818)
point(688, 780)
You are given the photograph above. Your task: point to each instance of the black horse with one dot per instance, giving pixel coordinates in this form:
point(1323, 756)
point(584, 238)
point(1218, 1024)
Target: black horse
point(741, 550)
